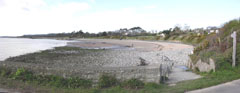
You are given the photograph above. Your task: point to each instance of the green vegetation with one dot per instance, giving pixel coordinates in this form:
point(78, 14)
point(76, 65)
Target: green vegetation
point(57, 53)
point(58, 83)
point(52, 80)
point(106, 81)
point(22, 79)
point(218, 45)
point(133, 84)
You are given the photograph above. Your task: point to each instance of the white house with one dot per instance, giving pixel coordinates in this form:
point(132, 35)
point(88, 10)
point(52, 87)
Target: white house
point(162, 35)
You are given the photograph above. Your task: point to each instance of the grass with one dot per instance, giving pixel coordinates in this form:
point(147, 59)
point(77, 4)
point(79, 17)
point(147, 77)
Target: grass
point(23, 80)
point(52, 54)
point(46, 80)
point(133, 84)
point(184, 38)
point(106, 81)
point(208, 80)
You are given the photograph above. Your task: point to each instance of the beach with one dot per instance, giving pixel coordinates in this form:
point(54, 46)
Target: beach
point(89, 58)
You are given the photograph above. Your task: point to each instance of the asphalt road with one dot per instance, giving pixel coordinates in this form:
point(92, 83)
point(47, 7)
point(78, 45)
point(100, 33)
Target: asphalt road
point(230, 87)
point(3, 90)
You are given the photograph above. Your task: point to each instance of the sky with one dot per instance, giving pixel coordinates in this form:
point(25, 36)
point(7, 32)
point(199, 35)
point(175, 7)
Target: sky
point(19, 17)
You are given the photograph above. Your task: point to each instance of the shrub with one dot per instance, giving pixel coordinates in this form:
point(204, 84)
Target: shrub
point(205, 55)
point(166, 37)
point(238, 54)
point(78, 82)
point(106, 81)
point(52, 80)
point(133, 84)
point(202, 46)
point(5, 72)
point(223, 61)
point(56, 81)
point(194, 58)
point(22, 74)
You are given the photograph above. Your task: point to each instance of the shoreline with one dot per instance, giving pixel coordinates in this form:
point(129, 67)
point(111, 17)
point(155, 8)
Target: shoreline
point(124, 64)
point(67, 60)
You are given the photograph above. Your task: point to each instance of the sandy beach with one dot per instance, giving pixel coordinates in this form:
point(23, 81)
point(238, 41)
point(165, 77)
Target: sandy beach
point(137, 44)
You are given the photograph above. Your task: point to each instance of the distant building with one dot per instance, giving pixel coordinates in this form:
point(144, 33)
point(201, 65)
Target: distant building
point(162, 35)
point(212, 29)
point(199, 31)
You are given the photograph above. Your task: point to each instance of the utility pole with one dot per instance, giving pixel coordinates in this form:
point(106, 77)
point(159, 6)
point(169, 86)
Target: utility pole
point(234, 36)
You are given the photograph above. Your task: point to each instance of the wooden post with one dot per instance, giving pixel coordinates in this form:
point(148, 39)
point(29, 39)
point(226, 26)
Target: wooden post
point(234, 36)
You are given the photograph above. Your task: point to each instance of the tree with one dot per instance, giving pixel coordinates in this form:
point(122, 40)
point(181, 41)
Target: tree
point(167, 32)
point(104, 33)
point(176, 29)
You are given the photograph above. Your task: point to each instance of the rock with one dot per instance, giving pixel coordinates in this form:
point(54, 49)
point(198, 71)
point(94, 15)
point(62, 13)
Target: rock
point(204, 66)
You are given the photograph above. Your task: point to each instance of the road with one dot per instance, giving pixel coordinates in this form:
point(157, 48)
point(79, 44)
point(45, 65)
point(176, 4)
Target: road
point(230, 87)
point(3, 90)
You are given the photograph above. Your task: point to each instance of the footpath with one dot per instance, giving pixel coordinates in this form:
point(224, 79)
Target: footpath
point(230, 87)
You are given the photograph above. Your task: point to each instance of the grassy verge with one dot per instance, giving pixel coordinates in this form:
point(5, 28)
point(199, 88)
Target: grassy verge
point(187, 38)
point(25, 81)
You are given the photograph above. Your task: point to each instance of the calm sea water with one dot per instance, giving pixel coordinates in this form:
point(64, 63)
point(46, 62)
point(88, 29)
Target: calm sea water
point(17, 46)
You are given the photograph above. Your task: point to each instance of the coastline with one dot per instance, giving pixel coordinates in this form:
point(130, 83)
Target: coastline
point(73, 58)
point(74, 61)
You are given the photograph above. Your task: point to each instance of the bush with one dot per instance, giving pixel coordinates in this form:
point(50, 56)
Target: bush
point(238, 54)
point(106, 81)
point(5, 72)
point(78, 82)
point(133, 84)
point(22, 74)
point(52, 80)
point(166, 37)
point(202, 46)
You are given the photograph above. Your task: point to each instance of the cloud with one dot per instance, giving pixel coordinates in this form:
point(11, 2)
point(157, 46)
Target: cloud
point(29, 17)
point(36, 17)
point(115, 19)
point(20, 17)
point(23, 4)
point(71, 7)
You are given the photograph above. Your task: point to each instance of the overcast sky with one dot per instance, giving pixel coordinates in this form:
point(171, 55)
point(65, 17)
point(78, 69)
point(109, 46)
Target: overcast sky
point(18, 17)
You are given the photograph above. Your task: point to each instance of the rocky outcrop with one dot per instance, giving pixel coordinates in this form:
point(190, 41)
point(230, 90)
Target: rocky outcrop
point(203, 66)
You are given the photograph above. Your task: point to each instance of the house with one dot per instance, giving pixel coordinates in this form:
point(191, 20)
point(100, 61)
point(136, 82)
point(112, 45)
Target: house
point(212, 30)
point(162, 35)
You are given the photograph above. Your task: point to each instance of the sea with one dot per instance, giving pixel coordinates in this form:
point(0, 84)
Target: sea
point(10, 47)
